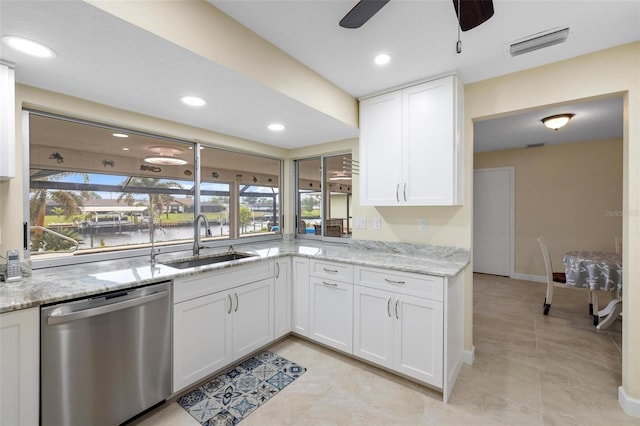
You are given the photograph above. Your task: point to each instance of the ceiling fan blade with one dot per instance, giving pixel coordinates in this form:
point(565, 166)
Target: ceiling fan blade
point(361, 13)
point(474, 12)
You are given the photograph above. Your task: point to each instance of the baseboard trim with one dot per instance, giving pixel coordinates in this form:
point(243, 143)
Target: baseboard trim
point(629, 405)
point(529, 277)
point(469, 356)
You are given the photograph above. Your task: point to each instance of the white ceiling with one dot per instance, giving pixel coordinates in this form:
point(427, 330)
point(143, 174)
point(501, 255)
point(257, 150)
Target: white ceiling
point(104, 59)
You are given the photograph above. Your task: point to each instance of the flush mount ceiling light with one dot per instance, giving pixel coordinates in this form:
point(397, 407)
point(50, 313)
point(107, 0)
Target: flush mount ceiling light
point(382, 59)
point(276, 127)
point(536, 41)
point(164, 156)
point(193, 101)
point(29, 47)
point(555, 122)
point(120, 135)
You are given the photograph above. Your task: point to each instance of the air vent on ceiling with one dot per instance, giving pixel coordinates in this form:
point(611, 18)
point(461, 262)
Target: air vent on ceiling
point(536, 42)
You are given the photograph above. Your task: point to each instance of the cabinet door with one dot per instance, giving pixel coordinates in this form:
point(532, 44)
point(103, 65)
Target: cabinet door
point(252, 317)
point(301, 296)
point(282, 297)
point(429, 144)
point(418, 338)
point(201, 338)
point(380, 150)
point(373, 325)
point(331, 313)
point(19, 367)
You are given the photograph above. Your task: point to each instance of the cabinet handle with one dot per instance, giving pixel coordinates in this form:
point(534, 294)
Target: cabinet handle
point(236, 310)
point(277, 270)
point(398, 192)
point(397, 300)
point(394, 282)
point(333, 271)
point(404, 192)
point(389, 307)
point(230, 303)
point(330, 284)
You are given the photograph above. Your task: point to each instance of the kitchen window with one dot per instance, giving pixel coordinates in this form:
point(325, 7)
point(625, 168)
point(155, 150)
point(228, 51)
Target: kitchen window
point(99, 190)
point(324, 196)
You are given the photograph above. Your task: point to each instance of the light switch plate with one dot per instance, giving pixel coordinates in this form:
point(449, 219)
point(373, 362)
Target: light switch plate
point(360, 223)
point(377, 223)
point(422, 225)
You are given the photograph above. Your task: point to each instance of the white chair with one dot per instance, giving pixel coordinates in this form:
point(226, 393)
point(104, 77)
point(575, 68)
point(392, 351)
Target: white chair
point(553, 278)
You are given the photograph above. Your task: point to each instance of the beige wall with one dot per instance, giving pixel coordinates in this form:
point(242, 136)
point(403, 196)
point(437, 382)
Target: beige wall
point(612, 71)
point(569, 193)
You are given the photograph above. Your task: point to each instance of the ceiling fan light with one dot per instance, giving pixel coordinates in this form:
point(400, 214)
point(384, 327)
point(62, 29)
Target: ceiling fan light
point(340, 176)
point(164, 160)
point(555, 122)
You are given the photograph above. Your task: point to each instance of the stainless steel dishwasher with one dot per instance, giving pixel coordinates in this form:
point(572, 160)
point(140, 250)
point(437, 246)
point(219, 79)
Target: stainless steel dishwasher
point(106, 358)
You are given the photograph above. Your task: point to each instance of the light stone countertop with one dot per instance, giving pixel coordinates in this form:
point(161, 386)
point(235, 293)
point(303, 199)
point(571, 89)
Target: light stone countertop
point(62, 283)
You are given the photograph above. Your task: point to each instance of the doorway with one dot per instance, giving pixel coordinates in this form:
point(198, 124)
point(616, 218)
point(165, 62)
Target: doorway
point(493, 216)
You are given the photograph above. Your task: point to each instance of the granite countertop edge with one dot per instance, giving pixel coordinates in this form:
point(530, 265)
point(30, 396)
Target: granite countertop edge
point(87, 279)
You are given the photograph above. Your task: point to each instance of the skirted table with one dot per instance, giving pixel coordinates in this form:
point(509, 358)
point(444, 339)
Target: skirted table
point(597, 270)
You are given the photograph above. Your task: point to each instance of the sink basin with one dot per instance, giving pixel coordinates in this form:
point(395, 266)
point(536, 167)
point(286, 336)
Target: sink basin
point(209, 260)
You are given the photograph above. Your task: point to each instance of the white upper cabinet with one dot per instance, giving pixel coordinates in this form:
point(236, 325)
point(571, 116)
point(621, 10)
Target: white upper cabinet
point(411, 146)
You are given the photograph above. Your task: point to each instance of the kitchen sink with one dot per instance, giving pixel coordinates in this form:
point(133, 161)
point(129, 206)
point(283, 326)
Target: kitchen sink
point(209, 260)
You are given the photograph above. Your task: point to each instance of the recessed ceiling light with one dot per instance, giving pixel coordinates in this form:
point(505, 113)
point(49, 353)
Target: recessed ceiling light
point(29, 47)
point(125, 149)
point(193, 101)
point(276, 127)
point(382, 59)
point(120, 135)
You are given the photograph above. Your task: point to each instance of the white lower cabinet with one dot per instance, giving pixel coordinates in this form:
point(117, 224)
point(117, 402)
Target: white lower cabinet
point(417, 338)
point(252, 317)
point(213, 330)
point(397, 330)
point(282, 297)
point(331, 313)
point(201, 338)
point(19, 367)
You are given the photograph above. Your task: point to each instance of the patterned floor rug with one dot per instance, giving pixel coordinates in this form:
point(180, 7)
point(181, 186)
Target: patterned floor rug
point(232, 396)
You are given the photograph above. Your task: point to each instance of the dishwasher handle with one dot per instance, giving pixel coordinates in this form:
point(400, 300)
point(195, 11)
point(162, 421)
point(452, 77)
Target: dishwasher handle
point(61, 318)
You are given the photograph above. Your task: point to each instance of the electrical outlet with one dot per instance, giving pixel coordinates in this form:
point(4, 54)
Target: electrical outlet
point(377, 223)
point(360, 223)
point(422, 225)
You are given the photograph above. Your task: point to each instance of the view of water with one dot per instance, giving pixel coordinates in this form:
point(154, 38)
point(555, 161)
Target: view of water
point(141, 236)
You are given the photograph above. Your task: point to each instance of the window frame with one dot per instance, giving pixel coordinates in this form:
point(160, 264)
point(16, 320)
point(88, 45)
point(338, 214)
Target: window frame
point(114, 254)
point(323, 204)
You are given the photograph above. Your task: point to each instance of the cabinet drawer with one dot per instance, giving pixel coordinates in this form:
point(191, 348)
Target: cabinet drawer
point(333, 270)
point(419, 285)
point(210, 282)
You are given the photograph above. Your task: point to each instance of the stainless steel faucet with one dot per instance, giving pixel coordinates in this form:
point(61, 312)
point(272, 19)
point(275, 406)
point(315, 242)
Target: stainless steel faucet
point(197, 245)
point(152, 231)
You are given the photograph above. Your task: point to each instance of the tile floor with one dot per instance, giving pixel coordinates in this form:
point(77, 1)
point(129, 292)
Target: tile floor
point(530, 369)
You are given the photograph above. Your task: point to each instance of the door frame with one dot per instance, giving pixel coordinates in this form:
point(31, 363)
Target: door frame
point(512, 203)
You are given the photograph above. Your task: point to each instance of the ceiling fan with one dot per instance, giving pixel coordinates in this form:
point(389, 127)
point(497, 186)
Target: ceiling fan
point(472, 12)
